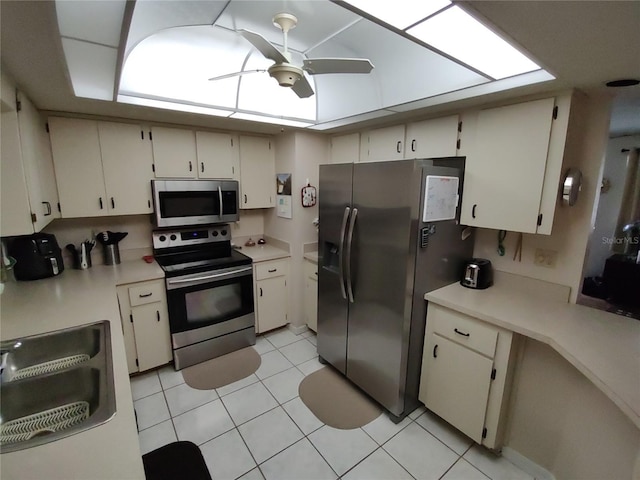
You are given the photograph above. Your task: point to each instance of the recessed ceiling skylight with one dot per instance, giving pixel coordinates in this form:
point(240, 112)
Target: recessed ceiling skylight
point(452, 31)
point(458, 34)
point(400, 13)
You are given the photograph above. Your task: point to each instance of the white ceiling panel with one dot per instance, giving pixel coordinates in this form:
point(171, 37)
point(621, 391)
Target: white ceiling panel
point(97, 21)
point(317, 20)
point(151, 16)
point(404, 70)
point(177, 63)
point(91, 68)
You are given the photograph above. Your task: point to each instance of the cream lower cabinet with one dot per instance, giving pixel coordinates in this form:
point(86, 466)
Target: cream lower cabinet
point(311, 294)
point(271, 294)
point(145, 325)
point(467, 366)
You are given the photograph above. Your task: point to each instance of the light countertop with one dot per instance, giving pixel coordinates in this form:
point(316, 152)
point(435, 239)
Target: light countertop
point(77, 297)
point(312, 257)
point(603, 346)
point(262, 253)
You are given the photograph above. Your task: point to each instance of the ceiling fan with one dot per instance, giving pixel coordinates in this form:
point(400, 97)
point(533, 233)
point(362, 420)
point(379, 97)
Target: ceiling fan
point(289, 75)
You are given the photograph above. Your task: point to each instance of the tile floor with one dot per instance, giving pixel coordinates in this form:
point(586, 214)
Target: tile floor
point(259, 429)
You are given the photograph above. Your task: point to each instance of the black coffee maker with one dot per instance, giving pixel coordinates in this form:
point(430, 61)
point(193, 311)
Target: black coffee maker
point(37, 256)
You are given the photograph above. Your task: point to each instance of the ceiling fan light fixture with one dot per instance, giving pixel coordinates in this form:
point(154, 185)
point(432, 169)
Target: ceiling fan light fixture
point(286, 75)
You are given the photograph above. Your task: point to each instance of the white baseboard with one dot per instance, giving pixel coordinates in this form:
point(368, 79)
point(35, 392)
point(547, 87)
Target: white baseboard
point(529, 466)
point(298, 329)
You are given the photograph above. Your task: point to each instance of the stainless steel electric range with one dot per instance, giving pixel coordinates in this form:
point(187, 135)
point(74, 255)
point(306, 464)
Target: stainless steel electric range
point(209, 292)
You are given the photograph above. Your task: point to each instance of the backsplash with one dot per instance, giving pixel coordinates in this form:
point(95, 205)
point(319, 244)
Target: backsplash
point(138, 241)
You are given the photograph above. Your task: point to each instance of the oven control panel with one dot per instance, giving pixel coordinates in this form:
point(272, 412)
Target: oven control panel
point(193, 236)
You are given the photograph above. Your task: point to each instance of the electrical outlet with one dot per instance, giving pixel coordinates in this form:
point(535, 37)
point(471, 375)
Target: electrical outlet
point(545, 258)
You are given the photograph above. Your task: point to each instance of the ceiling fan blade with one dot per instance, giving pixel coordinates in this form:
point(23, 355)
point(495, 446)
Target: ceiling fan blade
point(236, 74)
point(316, 66)
point(302, 88)
point(264, 46)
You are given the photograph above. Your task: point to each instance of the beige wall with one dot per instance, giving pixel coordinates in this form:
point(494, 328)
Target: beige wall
point(300, 154)
point(585, 149)
point(562, 422)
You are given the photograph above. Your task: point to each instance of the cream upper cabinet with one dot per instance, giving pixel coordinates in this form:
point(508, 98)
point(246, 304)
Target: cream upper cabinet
point(102, 168)
point(513, 166)
point(127, 163)
point(218, 155)
point(14, 196)
point(384, 144)
point(29, 192)
point(467, 370)
point(432, 138)
point(174, 152)
point(78, 166)
point(345, 148)
point(257, 172)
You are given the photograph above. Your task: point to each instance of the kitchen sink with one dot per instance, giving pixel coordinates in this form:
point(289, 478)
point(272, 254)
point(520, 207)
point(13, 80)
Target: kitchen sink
point(55, 385)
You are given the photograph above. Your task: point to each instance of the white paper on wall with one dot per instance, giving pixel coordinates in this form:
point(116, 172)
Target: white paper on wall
point(440, 198)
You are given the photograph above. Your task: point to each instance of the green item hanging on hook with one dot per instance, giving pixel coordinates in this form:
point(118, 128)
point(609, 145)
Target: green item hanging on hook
point(501, 236)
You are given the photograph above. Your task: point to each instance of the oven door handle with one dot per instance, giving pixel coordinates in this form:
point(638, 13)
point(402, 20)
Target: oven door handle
point(208, 277)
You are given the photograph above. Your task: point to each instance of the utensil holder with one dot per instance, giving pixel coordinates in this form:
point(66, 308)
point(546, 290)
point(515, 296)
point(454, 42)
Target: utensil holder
point(111, 254)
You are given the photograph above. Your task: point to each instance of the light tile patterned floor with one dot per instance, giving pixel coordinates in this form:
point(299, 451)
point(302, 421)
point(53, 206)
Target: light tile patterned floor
point(259, 429)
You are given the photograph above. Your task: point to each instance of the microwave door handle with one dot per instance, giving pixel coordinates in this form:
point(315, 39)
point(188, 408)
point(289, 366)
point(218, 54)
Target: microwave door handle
point(208, 277)
point(220, 197)
point(349, 243)
point(343, 230)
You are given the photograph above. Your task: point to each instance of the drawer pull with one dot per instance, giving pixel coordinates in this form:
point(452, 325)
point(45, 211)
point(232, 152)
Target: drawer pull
point(143, 295)
point(271, 271)
point(435, 351)
point(461, 333)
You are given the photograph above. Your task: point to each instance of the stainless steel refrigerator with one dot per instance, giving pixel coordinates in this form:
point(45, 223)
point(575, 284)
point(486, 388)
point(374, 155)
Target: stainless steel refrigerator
point(382, 246)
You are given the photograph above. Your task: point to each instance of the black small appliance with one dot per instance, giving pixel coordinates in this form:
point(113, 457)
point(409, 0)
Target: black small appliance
point(477, 274)
point(37, 256)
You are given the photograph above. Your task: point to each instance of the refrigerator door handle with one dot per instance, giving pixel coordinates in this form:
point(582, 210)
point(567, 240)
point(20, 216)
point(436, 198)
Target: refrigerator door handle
point(343, 230)
point(354, 215)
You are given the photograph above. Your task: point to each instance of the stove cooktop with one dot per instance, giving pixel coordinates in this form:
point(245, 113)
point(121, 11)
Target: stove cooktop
point(198, 261)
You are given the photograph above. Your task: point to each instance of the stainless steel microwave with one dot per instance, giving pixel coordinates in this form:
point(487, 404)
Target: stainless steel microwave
point(178, 203)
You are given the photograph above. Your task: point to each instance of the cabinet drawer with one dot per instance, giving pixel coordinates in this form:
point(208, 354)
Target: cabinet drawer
point(271, 269)
point(146, 293)
point(464, 330)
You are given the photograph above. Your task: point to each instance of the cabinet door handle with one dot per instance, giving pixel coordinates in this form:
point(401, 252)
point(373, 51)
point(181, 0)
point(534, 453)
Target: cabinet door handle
point(245, 199)
point(113, 203)
point(100, 199)
point(261, 292)
point(398, 146)
point(413, 145)
point(271, 271)
point(48, 205)
point(473, 210)
point(202, 167)
point(190, 166)
point(158, 314)
point(435, 351)
point(144, 295)
point(461, 333)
